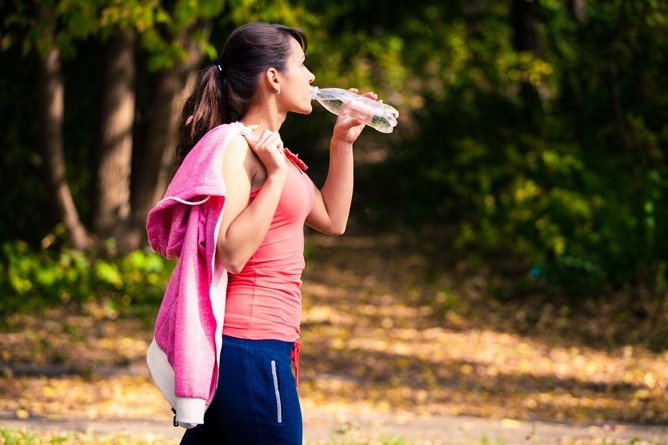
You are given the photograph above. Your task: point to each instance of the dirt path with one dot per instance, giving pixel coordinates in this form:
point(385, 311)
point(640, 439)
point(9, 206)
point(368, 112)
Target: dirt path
point(389, 349)
point(327, 425)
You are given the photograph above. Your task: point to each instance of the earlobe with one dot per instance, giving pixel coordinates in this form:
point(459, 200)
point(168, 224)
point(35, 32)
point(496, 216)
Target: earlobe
point(272, 80)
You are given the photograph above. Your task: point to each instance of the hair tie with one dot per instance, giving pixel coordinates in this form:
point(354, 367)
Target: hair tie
point(219, 65)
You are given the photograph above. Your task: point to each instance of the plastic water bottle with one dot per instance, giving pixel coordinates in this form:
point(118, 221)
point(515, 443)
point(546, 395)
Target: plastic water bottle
point(373, 113)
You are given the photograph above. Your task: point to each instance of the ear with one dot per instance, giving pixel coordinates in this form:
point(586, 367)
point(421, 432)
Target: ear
point(272, 80)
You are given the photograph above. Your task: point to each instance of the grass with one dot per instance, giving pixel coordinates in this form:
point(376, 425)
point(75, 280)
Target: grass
point(17, 437)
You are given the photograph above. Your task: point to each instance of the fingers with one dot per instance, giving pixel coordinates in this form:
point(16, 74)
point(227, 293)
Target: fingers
point(371, 95)
point(351, 115)
point(271, 141)
point(248, 133)
point(268, 140)
point(268, 147)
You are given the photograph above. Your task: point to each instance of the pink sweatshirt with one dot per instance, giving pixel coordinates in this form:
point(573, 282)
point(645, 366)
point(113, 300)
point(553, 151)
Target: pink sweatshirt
point(183, 357)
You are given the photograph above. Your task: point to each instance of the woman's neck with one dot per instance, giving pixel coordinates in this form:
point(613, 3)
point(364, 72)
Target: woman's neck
point(266, 117)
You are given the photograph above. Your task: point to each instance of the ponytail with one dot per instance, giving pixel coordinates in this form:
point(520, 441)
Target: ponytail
point(205, 109)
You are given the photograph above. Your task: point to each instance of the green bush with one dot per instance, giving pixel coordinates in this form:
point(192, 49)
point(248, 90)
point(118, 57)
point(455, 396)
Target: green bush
point(30, 279)
point(550, 164)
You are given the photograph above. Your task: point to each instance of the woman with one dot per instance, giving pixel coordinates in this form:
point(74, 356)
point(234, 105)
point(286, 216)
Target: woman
point(228, 327)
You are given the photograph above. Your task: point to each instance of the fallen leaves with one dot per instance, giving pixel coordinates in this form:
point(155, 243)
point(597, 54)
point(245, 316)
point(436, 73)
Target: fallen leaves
point(371, 337)
point(376, 342)
point(107, 397)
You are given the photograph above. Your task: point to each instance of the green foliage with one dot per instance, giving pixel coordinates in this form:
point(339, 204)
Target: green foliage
point(18, 437)
point(164, 23)
point(356, 44)
point(35, 279)
point(11, 437)
point(553, 162)
point(547, 166)
point(66, 23)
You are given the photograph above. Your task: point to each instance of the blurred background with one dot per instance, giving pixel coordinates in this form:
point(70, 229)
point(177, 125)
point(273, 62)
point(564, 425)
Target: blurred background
point(531, 151)
point(532, 138)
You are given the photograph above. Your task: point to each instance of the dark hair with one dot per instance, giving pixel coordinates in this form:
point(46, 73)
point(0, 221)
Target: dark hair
point(224, 90)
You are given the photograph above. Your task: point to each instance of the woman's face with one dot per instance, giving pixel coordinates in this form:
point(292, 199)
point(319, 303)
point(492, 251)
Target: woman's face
point(296, 81)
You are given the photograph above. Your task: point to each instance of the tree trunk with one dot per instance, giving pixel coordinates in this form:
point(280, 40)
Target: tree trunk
point(50, 114)
point(111, 214)
point(473, 7)
point(155, 161)
point(524, 21)
point(523, 17)
point(576, 9)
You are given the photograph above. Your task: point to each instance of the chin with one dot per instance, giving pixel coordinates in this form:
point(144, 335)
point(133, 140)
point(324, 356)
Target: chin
point(305, 110)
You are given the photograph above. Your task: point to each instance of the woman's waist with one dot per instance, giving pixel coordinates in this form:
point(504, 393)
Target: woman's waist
point(264, 285)
point(283, 346)
point(261, 311)
point(283, 278)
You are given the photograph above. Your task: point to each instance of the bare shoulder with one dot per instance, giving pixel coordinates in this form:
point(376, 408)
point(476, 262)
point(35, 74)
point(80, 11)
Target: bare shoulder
point(241, 160)
point(237, 148)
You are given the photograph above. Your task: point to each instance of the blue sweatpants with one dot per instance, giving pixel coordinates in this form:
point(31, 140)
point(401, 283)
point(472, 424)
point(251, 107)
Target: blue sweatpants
point(256, 402)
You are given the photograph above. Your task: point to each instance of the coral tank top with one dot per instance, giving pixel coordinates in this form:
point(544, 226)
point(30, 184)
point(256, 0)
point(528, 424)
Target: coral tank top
point(264, 299)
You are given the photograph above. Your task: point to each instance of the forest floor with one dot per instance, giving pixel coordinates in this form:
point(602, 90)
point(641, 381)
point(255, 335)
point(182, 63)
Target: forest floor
point(395, 349)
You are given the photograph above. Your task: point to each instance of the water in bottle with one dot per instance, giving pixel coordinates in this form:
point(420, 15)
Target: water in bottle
point(373, 113)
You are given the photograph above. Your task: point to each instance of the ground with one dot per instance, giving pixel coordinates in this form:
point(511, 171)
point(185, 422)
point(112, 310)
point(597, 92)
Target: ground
point(388, 339)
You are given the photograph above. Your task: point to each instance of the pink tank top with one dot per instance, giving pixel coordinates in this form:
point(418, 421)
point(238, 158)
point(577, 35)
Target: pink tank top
point(264, 299)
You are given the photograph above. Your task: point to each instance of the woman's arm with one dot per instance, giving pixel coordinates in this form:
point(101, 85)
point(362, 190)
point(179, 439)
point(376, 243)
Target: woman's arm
point(331, 207)
point(244, 225)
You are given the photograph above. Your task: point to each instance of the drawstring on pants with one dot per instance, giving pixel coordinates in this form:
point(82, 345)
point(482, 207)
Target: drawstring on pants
point(294, 355)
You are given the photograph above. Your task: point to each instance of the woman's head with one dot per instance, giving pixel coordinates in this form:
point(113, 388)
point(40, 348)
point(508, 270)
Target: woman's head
point(226, 88)
point(249, 52)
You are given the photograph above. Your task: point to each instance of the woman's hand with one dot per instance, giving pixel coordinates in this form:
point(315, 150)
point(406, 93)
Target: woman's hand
point(348, 127)
point(269, 149)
